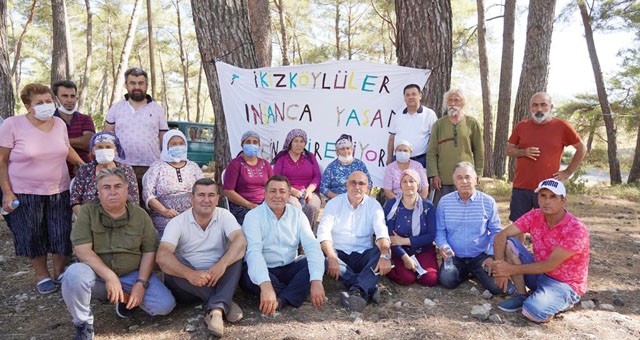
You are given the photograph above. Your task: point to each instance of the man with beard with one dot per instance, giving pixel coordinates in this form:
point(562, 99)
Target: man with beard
point(139, 123)
point(455, 138)
point(538, 144)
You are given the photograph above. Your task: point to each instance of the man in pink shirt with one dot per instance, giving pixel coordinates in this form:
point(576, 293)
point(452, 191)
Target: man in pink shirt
point(556, 274)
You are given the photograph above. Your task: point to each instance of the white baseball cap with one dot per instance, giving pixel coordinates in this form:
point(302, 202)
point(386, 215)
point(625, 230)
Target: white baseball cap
point(554, 185)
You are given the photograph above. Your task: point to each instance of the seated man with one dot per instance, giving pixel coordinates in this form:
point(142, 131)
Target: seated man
point(274, 230)
point(557, 272)
point(467, 221)
point(345, 234)
point(201, 252)
point(115, 242)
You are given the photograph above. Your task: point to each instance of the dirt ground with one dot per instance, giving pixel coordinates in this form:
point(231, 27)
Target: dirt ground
point(614, 288)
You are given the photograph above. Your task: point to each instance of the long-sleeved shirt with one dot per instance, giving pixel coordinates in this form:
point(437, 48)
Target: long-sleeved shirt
point(301, 173)
point(350, 229)
point(468, 228)
point(273, 242)
point(401, 224)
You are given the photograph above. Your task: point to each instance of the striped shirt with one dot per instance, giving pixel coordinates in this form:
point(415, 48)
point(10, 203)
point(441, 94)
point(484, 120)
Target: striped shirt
point(468, 228)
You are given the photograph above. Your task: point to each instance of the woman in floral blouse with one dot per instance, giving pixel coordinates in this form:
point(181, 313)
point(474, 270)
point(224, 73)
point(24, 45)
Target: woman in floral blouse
point(334, 178)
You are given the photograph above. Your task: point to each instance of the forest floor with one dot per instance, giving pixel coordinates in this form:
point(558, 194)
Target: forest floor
point(614, 290)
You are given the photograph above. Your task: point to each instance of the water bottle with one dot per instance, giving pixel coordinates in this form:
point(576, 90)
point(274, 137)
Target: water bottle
point(448, 262)
point(14, 205)
point(303, 201)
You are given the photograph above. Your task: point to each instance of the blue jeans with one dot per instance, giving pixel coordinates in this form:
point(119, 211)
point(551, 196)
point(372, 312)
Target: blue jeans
point(549, 296)
point(356, 271)
point(465, 266)
point(291, 282)
point(81, 283)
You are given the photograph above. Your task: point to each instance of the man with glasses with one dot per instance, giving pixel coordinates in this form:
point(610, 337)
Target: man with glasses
point(455, 138)
point(345, 234)
point(139, 123)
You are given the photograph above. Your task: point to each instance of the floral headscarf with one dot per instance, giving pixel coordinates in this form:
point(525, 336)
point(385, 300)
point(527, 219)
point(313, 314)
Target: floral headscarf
point(108, 137)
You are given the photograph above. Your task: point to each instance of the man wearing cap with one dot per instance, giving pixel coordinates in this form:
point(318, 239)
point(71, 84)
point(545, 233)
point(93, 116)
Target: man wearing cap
point(537, 144)
point(413, 124)
point(556, 274)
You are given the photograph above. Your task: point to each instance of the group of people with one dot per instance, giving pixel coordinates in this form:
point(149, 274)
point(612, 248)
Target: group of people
point(138, 201)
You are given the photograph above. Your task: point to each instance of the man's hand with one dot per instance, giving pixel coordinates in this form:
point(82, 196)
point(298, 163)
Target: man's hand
point(531, 152)
point(408, 263)
point(397, 240)
point(333, 267)
point(502, 269)
point(136, 296)
point(436, 183)
point(114, 289)
point(502, 282)
point(446, 251)
point(487, 264)
point(317, 294)
point(268, 299)
point(198, 278)
point(562, 175)
point(215, 273)
point(383, 267)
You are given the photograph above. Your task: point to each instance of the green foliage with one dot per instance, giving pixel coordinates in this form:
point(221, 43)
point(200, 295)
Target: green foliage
point(577, 184)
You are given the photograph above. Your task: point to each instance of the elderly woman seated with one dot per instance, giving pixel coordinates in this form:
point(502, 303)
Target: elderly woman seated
point(391, 182)
point(334, 178)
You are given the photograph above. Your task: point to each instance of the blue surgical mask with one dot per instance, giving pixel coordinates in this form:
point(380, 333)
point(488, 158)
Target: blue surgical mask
point(251, 150)
point(402, 156)
point(178, 152)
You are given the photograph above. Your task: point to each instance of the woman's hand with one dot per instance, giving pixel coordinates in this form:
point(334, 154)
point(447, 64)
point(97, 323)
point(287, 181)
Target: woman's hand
point(169, 213)
point(408, 263)
point(7, 201)
point(397, 240)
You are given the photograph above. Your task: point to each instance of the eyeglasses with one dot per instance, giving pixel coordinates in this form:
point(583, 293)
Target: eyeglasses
point(357, 183)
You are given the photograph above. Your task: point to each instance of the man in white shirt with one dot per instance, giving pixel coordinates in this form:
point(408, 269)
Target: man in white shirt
point(274, 271)
point(201, 252)
point(345, 233)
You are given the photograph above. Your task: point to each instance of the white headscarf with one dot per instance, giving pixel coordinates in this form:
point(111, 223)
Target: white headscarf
point(164, 154)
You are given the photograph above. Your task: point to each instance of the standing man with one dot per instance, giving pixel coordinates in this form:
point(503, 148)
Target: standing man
point(346, 232)
point(556, 274)
point(467, 221)
point(414, 125)
point(115, 243)
point(139, 123)
point(201, 252)
point(455, 138)
point(274, 271)
point(80, 127)
point(538, 144)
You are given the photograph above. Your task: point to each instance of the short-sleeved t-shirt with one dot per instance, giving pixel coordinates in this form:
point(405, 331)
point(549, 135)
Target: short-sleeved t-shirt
point(416, 128)
point(138, 130)
point(37, 162)
point(550, 138)
point(201, 248)
point(569, 234)
point(246, 179)
point(77, 126)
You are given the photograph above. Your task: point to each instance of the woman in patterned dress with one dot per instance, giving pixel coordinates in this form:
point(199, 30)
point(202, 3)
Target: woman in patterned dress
point(334, 178)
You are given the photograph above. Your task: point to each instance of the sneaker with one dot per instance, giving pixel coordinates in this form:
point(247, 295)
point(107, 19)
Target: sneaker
point(353, 300)
point(46, 286)
point(234, 314)
point(375, 297)
point(282, 304)
point(122, 311)
point(513, 304)
point(214, 322)
point(84, 331)
point(58, 281)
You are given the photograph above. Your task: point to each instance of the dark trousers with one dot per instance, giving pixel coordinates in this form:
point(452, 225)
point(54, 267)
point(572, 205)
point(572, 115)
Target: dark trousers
point(463, 267)
point(218, 296)
point(356, 271)
point(140, 171)
point(290, 282)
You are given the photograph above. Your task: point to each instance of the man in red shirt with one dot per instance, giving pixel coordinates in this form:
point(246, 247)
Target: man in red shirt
point(556, 274)
point(537, 144)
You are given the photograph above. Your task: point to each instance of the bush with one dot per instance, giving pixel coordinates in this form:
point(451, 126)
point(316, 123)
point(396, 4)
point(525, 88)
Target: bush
point(576, 184)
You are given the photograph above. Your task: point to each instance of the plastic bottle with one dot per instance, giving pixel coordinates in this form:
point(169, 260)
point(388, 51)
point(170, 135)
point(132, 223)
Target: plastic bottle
point(14, 205)
point(448, 262)
point(303, 201)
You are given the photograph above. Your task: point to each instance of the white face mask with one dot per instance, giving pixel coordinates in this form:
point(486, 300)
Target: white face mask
point(62, 109)
point(345, 159)
point(44, 111)
point(402, 156)
point(105, 156)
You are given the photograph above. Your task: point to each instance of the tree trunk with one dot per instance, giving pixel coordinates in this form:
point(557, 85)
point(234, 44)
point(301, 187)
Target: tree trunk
point(487, 115)
point(424, 41)
point(504, 95)
point(337, 30)
point(634, 172)
point(165, 105)
point(535, 66)
point(184, 62)
point(6, 90)
point(18, 48)
point(222, 42)
point(118, 81)
point(260, 22)
point(152, 58)
point(283, 31)
point(612, 147)
point(61, 68)
point(199, 117)
point(84, 89)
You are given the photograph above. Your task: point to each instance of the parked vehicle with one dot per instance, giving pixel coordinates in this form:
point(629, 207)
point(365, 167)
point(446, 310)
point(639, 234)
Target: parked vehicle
point(199, 138)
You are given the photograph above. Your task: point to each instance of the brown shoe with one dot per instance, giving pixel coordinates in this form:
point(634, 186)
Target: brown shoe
point(214, 322)
point(235, 313)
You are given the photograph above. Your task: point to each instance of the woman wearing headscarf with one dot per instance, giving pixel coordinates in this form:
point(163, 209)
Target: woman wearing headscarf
point(166, 187)
point(391, 182)
point(245, 177)
point(411, 221)
point(104, 147)
point(334, 178)
point(302, 170)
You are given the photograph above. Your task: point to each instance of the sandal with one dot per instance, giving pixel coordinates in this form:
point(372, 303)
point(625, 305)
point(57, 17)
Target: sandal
point(46, 286)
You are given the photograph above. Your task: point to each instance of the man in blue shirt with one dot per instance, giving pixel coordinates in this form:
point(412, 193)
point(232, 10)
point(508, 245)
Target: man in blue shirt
point(467, 221)
point(274, 229)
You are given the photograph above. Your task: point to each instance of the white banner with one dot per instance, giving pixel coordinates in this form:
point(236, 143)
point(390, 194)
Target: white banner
point(325, 100)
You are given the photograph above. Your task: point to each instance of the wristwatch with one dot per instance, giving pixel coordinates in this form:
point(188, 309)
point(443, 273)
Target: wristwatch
point(386, 256)
point(145, 283)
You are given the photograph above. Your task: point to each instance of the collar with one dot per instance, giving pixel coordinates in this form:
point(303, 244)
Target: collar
point(149, 99)
point(406, 110)
point(346, 199)
point(110, 222)
point(472, 198)
point(192, 219)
